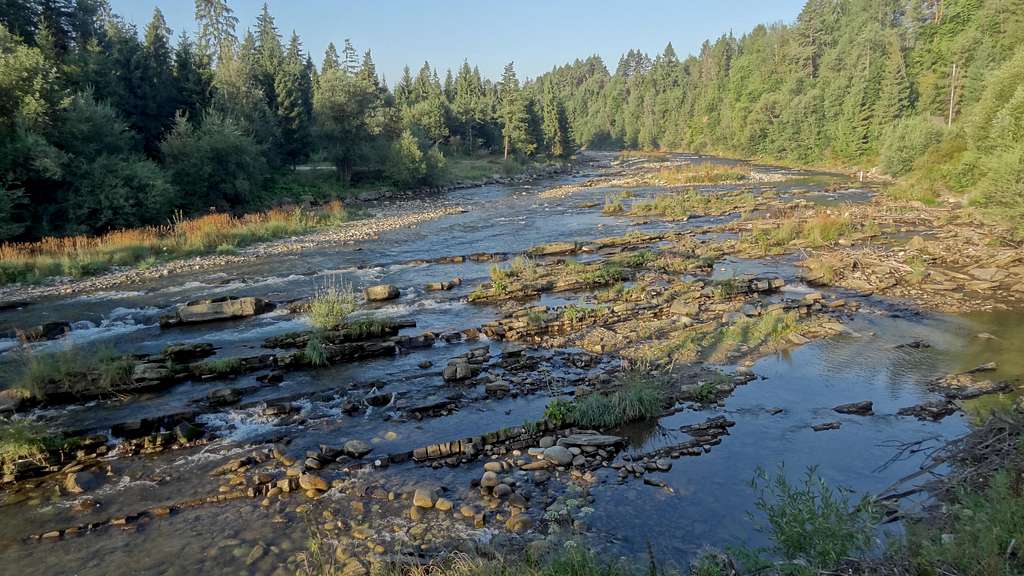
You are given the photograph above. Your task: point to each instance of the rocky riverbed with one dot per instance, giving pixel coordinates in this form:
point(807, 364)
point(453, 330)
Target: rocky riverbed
point(603, 357)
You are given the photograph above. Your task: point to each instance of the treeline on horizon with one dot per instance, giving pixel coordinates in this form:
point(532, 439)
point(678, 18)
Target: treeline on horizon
point(102, 129)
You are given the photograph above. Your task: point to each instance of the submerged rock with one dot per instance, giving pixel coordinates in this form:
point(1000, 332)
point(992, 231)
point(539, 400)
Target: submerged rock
point(864, 408)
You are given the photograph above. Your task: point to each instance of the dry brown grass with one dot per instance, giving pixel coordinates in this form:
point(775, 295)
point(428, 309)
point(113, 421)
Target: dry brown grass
point(86, 255)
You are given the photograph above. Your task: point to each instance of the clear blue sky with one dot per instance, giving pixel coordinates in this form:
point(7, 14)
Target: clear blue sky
point(535, 34)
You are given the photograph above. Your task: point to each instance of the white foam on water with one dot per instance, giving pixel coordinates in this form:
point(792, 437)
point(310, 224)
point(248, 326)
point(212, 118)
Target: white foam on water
point(404, 308)
point(109, 295)
point(238, 425)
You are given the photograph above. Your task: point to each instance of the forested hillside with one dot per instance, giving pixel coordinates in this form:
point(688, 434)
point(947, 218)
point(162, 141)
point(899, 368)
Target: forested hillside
point(930, 86)
point(103, 127)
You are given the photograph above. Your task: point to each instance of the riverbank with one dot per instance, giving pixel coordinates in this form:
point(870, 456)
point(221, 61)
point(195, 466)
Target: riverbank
point(384, 212)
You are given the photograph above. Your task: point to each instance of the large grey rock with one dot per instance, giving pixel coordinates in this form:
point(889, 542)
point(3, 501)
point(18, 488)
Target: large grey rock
point(457, 370)
point(381, 293)
point(215, 309)
point(560, 455)
point(151, 373)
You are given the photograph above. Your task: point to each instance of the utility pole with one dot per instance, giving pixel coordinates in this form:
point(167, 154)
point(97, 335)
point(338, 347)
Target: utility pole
point(952, 95)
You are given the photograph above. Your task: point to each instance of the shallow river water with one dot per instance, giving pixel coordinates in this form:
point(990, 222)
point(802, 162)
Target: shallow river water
point(711, 494)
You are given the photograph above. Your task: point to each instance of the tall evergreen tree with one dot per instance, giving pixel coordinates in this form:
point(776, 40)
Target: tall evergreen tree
point(158, 99)
point(368, 71)
point(331, 60)
point(513, 115)
point(217, 23)
point(349, 58)
point(192, 80)
point(556, 126)
point(269, 54)
point(294, 91)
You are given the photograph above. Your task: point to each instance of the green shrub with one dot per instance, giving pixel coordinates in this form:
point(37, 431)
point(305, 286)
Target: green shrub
point(984, 530)
point(907, 142)
point(812, 526)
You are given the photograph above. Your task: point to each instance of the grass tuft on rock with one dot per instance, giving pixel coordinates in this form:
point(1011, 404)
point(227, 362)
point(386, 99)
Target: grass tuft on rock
point(21, 439)
point(73, 370)
point(332, 304)
point(638, 398)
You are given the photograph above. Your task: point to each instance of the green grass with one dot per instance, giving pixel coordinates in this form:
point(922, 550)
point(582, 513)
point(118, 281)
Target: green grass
point(693, 174)
point(315, 351)
point(918, 269)
point(574, 313)
point(613, 203)
point(368, 327)
point(637, 259)
point(219, 367)
point(749, 333)
point(331, 304)
point(682, 205)
point(20, 439)
point(638, 398)
point(822, 230)
point(571, 559)
point(461, 168)
point(74, 370)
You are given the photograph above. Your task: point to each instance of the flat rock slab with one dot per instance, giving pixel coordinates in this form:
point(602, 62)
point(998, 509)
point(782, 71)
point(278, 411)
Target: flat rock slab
point(596, 440)
point(227, 308)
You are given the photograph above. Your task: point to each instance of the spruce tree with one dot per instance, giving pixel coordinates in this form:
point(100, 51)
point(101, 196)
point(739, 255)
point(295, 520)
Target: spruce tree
point(192, 79)
point(555, 125)
point(157, 99)
point(349, 58)
point(513, 115)
point(269, 54)
point(331, 60)
point(293, 87)
point(368, 71)
point(217, 24)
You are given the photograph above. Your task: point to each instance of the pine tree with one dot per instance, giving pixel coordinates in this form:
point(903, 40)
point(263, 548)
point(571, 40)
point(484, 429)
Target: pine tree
point(368, 71)
point(555, 126)
point(192, 80)
point(293, 87)
point(269, 54)
point(403, 91)
point(894, 94)
point(217, 24)
point(157, 99)
point(513, 115)
point(467, 103)
point(349, 58)
point(331, 60)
